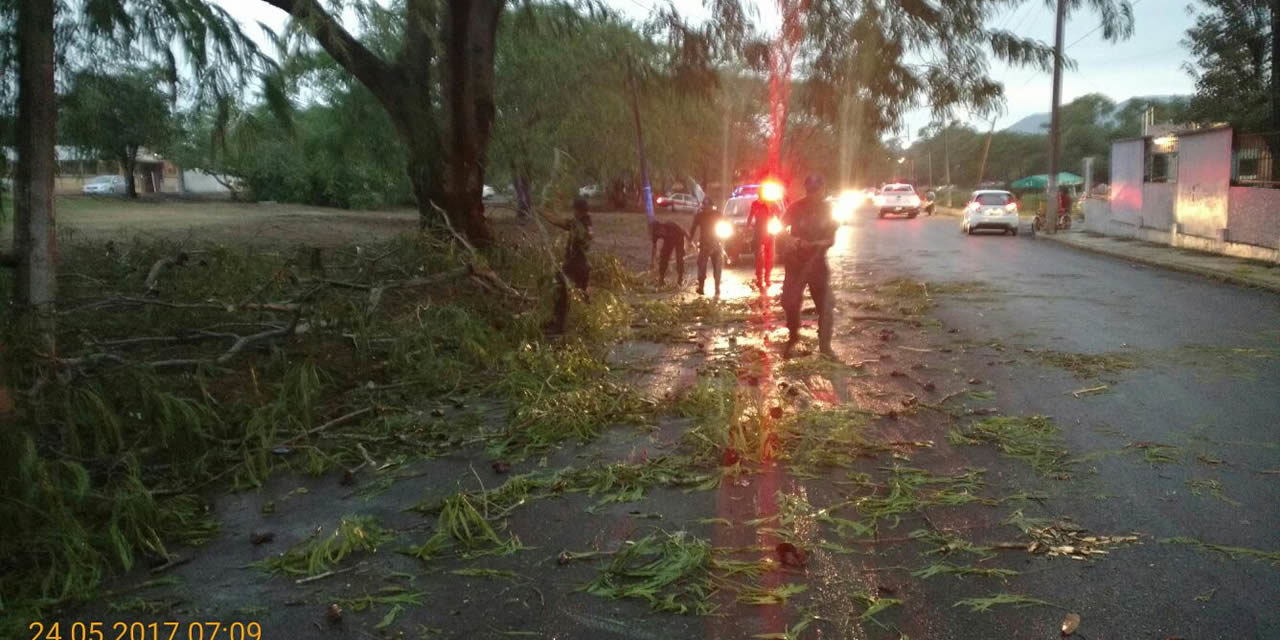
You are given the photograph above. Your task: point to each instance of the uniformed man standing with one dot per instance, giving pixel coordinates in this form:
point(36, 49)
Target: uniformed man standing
point(672, 237)
point(575, 265)
point(709, 245)
point(813, 231)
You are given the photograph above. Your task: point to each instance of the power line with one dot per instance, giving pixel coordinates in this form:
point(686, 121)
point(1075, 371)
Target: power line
point(1073, 43)
point(1094, 30)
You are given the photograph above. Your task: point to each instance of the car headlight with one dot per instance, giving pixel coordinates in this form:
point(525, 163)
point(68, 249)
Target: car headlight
point(774, 227)
point(724, 229)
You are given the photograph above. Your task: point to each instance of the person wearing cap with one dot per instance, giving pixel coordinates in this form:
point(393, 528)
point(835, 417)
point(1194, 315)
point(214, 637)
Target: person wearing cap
point(672, 237)
point(709, 247)
point(813, 231)
point(575, 267)
point(758, 219)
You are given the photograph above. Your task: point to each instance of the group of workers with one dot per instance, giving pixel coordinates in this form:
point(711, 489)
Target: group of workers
point(812, 232)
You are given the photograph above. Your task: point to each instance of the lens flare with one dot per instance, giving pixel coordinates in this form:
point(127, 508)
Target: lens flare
point(771, 191)
point(724, 229)
point(774, 227)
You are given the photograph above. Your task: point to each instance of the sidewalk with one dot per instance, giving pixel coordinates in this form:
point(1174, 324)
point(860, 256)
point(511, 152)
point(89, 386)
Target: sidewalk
point(1225, 268)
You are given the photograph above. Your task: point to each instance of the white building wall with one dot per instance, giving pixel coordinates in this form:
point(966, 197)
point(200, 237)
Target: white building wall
point(1204, 183)
point(1126, 180)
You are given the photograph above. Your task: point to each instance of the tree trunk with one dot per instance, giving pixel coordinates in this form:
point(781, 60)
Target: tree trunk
point(405, 89)
point(34, 237)
point(469, 45)
point(129, 164)
point(1275, 67)
point(1275, 78)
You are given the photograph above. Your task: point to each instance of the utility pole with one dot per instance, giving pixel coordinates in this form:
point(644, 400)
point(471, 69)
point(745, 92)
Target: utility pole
point(646, 190)
point(982, 168)
point(931, 184)
point(946, 161)
point(1051, 197)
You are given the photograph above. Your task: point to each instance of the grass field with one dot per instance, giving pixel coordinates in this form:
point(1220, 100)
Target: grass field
point(100, 219)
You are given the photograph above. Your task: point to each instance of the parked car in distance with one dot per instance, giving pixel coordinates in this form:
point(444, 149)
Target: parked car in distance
point(678, 202)
point(105, 185)
point(898, 198)
point(487, 192)
point(590, 191)
point(990, 209)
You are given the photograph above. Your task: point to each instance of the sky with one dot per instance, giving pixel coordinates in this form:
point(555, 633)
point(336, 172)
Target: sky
point(1149, 63)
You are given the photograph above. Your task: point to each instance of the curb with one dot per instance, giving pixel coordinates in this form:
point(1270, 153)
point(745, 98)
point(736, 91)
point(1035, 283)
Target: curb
point(1212, 274)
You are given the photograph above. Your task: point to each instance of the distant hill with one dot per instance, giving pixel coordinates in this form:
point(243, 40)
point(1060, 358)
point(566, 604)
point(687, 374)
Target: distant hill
point(1038, 123)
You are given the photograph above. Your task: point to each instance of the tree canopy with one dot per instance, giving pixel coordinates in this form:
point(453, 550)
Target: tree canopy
point(1235, 48)
point(116, 114)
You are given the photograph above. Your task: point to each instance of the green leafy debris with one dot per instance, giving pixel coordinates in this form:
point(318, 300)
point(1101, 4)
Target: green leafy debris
point(1227, 550)
point(776, 595)
point(1085, 365)
point(321, 552)
point(874, 605)
point(1035, 440)
point(944, 568)
point(672, 572)
point(982, 605)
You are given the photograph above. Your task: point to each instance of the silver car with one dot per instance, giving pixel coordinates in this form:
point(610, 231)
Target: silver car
point(105, 185)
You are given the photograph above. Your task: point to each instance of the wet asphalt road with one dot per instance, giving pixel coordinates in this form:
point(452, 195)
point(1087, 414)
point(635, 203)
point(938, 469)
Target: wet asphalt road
point(1207, 383)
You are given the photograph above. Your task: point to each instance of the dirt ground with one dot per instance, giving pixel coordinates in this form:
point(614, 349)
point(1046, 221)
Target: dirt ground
point(96, 219)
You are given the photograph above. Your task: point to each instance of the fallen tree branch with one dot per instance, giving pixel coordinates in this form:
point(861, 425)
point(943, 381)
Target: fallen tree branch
point(332, 423)
point(196, 336)
point(162, 265)
point(284, 307)
point(327, 574)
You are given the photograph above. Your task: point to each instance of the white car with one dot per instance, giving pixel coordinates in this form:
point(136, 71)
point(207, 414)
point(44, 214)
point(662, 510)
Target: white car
point(103, 185)
point(898, 198)
point(678, 202)
point(487, 192)
point(590, 191)
point(990, 209)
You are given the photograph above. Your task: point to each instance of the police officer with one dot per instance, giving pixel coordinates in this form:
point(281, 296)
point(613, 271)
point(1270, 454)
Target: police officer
point(813, 231)
point(575, 266)
point(709, 248)
point(758, 219)
point(672, 237)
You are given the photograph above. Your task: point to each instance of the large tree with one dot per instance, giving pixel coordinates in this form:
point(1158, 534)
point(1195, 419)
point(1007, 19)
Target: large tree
point(115, 115)
point(446, 163)
point(1237, 49)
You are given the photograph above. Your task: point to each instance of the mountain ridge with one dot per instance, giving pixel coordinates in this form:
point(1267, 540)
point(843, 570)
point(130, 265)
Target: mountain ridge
point(1038, 123)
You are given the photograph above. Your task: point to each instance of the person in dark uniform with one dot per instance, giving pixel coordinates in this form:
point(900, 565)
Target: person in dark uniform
point(758, 219)
point(813, 231)
point(575, 267)
point(672, 237)
point(709, 248)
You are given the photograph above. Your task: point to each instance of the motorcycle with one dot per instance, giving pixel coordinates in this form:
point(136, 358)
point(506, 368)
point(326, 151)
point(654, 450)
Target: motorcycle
point(1064, 221)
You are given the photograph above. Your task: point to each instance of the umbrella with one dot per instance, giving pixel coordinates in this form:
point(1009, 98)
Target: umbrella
point(1041, 182)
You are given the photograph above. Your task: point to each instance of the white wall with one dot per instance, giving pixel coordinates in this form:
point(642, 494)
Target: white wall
point(1204, 182)
point(198, 181)
point(1127, 158)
